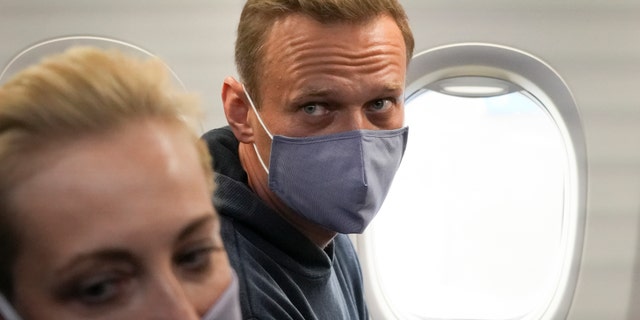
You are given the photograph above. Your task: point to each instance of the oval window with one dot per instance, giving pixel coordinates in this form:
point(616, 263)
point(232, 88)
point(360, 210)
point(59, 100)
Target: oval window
point(483, 218)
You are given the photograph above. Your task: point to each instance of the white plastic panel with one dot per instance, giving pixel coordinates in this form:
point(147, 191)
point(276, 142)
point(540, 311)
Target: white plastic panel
point(485, 217)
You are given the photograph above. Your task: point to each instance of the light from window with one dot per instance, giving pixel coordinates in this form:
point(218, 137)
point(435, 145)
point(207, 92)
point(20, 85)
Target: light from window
point(472, 226)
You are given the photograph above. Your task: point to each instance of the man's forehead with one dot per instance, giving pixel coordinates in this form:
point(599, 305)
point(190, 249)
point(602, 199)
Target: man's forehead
point(293, 20)
point(299, 43)
point(298, 31)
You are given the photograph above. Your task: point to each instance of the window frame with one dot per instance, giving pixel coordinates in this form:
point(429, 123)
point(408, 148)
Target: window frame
point(545, 85)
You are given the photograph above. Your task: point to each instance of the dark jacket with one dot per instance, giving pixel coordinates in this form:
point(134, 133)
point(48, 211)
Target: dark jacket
point(283, 275)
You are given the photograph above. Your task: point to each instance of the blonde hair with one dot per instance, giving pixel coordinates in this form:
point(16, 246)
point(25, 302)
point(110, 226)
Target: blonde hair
point(80, 92)
point(258, 16)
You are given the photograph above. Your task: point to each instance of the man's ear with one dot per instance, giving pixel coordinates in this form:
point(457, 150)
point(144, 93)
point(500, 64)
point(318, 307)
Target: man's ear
point(237, 109)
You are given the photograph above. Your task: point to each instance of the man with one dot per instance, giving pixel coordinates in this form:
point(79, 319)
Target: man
point(315, 136)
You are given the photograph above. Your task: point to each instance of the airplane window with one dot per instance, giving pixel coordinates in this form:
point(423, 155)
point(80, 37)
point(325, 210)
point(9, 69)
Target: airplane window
point(482, 220)
point(481, 190)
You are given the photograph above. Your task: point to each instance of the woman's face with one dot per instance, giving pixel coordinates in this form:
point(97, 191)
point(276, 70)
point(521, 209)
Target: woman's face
point(118, 226)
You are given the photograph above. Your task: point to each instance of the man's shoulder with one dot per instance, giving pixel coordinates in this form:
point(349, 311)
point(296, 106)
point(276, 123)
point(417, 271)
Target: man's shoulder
point(261, 294)
point(220, 139)
point(223, 147)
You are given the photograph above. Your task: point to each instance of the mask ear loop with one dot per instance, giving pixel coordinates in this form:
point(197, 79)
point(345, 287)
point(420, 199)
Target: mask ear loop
point(246, 94)
point(6, 311)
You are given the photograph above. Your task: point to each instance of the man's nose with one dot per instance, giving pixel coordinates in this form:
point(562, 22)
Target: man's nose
point(357, 119)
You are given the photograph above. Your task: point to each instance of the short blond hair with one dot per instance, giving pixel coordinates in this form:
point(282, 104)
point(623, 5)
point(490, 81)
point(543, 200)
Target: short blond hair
point(258, 17)
point(83, 91)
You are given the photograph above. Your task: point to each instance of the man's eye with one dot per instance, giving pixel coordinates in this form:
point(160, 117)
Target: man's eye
point(314, 109)
point(381, 104)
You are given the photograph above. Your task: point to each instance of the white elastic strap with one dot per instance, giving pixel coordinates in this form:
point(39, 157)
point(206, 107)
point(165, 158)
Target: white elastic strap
point(256, 112)
point(6, 311)
point(260, 158)
point(246, 94)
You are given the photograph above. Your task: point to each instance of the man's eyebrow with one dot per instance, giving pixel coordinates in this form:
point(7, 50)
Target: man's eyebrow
point(324, 91)
point(317, 92)
point(393, 86)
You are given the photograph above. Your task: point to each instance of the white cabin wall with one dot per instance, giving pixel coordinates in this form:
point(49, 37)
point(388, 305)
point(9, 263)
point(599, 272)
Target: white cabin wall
point(195, 37)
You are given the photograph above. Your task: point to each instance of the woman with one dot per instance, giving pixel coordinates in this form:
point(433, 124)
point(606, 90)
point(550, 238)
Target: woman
point(105, 209)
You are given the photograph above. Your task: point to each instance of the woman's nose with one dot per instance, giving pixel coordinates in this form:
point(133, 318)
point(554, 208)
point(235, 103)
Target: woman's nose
point(168, 300)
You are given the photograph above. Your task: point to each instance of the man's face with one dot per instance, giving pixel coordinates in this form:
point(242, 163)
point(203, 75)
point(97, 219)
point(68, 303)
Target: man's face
point(326, 78)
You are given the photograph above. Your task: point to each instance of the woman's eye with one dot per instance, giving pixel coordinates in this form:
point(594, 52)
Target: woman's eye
point(196, 259)
point(101, 289)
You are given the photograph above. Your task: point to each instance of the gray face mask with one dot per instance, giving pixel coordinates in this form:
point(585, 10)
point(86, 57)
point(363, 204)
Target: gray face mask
point(228, 305)
point(6, 310)
point(226, 308)
point(338, 181)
